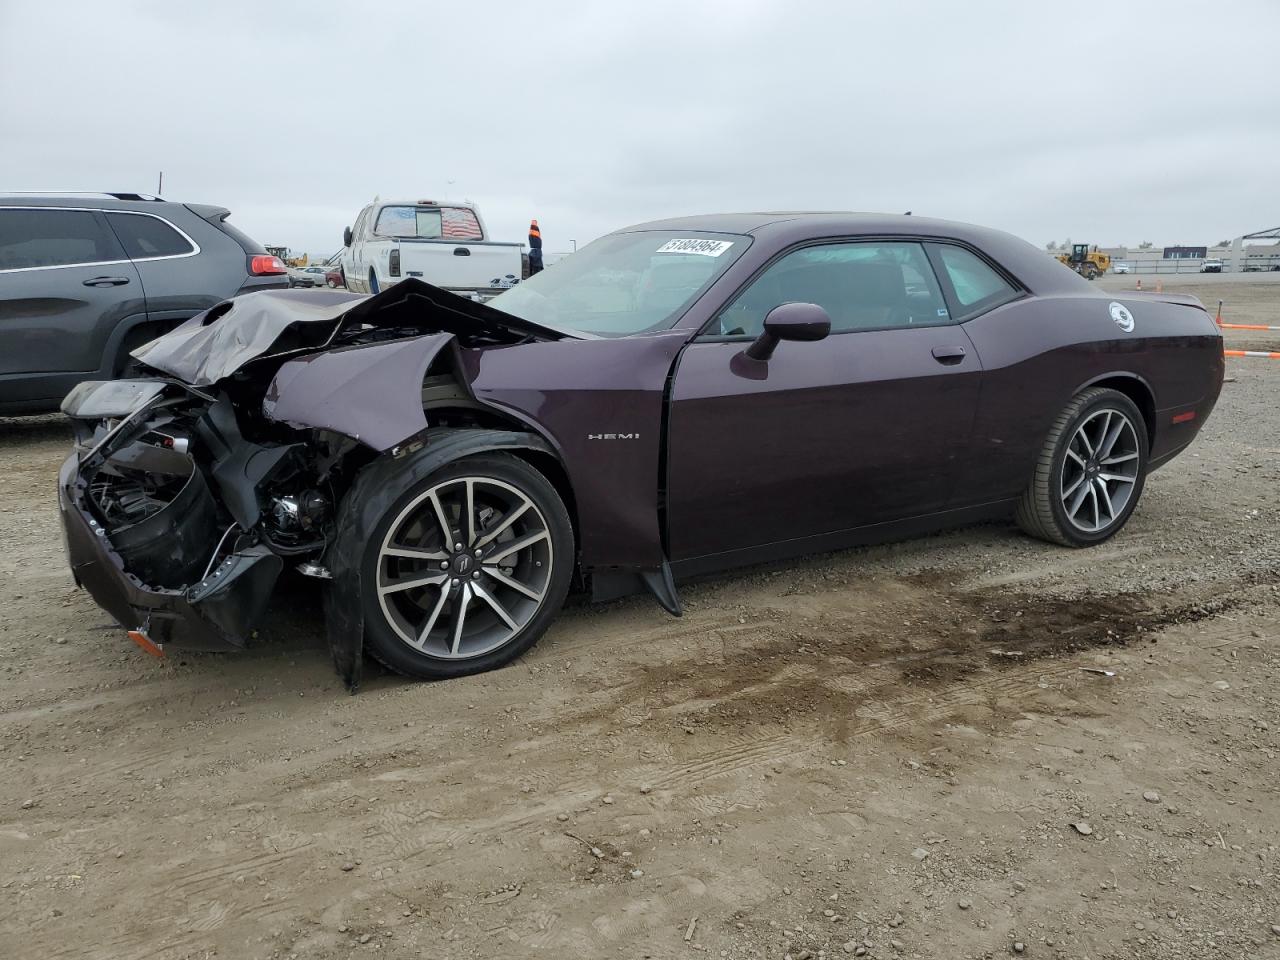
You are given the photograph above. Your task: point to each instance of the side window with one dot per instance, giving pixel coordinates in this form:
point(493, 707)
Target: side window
point(862, 286)
point(54, 238)
point(976, 285)
point(145, 237)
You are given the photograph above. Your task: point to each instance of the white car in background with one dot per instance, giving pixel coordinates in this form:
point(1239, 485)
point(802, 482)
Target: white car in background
point(1121, 267)
point(312, 276)
point(441, 242)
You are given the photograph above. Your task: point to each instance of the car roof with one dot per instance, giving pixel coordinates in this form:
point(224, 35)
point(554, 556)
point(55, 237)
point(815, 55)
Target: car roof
point(96, 201)
point(419, 203)
point(831, 222)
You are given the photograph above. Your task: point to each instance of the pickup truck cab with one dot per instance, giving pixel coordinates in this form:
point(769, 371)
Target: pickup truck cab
point(444, 243)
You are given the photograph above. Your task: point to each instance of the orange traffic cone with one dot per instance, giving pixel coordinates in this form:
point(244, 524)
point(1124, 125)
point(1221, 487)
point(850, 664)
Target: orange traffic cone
point(1159, 286)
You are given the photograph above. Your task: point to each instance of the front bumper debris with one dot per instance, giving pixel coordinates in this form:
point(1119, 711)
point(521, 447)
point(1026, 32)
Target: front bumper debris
point(215, 612)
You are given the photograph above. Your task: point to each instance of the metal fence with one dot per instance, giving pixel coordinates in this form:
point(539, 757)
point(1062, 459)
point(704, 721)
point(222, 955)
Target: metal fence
point(1194, 265)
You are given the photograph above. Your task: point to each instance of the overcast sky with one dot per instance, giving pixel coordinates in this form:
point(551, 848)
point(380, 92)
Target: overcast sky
point(1155, 121)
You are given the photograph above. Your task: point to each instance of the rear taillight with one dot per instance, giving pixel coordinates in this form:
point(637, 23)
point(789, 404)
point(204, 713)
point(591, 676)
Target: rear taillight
point(393, 263)
point(264, 265)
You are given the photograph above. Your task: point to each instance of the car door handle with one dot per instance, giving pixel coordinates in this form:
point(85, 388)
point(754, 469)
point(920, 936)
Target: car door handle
point(461, 252)
point(107, 282)
point(948, 355)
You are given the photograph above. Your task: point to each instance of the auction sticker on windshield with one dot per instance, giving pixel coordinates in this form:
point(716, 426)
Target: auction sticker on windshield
point(704, 248)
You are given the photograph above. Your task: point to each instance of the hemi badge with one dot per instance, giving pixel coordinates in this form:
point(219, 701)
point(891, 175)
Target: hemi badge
point(1184, 417)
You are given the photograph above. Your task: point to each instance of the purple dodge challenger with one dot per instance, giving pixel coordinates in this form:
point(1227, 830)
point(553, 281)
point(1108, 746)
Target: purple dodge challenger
point(678, 397)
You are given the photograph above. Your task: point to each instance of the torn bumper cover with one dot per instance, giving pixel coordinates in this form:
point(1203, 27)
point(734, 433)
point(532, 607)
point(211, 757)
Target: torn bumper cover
point(216, 612)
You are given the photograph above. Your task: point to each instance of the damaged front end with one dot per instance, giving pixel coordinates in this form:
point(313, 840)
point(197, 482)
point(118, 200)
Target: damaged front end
point(163, 509)
point(189, 492)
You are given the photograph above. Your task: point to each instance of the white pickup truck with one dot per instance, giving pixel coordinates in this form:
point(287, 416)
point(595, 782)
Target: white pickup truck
point(442, 242)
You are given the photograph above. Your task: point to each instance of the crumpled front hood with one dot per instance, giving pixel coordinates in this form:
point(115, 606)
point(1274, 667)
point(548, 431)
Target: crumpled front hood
point(213, 345)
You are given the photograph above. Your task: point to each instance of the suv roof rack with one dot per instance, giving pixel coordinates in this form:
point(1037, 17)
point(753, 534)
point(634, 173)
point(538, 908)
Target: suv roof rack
point(87, 193)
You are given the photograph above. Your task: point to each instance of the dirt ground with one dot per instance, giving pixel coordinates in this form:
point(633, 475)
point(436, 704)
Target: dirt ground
point(904, 751)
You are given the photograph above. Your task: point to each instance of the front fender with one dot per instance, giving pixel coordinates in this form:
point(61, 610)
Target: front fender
point(370, 393)
point(377, 486)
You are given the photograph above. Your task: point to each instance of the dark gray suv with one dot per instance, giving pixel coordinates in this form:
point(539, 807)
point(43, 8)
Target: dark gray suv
point(86, 278)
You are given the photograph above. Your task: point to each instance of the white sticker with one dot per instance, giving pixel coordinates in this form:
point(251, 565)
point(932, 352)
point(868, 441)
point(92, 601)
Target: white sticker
point(704, 248)
point(1121, 315)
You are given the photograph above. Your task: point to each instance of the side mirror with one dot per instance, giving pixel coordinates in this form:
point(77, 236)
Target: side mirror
point(790, 321)
point(346, 236)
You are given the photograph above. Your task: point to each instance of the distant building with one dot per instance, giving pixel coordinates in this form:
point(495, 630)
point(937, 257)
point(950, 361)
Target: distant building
point(1259, 256)
point(1185, 253)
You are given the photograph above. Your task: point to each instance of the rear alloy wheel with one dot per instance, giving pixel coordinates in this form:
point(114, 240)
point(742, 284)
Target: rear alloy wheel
point(467, 569)
point(1090, 473)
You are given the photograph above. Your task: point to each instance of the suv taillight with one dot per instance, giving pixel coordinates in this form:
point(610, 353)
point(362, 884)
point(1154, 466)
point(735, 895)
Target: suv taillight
point(263, 265)
point(393, 263)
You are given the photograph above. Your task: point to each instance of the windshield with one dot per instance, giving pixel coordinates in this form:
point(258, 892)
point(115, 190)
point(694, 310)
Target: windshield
point(624, 283)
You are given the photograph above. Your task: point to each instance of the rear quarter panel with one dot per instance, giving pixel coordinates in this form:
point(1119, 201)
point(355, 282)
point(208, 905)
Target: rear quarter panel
point(1037, 353)
point(181, 287)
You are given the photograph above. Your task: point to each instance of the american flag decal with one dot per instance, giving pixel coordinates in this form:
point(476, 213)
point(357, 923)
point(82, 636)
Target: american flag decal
point(459, 223)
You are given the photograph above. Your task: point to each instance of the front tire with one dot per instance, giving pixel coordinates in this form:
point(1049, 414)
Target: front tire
point(466, 569)
point(1090, 473)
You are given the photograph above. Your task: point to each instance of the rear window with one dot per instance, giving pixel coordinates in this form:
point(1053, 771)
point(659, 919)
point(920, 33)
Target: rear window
point(976, 285)
point(54, 238)
point(428, 223)
point(146, 237)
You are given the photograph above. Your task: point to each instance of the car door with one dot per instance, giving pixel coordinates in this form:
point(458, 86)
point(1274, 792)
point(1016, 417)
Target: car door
point(360, 250)
point(866, 426)
point(65, 285)
point(351, 261)
point(180, 278)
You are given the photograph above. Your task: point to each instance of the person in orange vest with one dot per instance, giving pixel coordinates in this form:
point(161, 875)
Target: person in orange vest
point(535, 248)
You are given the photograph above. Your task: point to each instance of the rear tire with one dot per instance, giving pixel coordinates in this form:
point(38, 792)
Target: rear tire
point(470, 607)
point(1090, 473)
